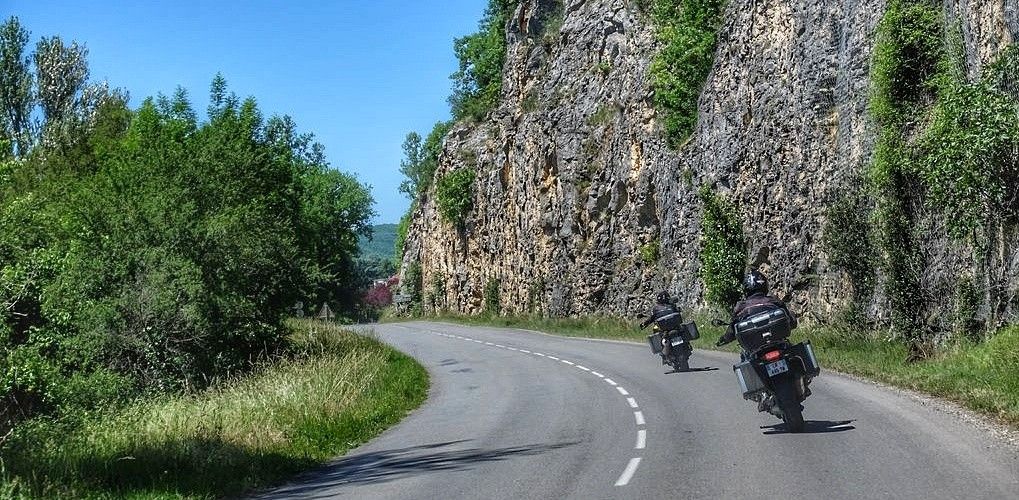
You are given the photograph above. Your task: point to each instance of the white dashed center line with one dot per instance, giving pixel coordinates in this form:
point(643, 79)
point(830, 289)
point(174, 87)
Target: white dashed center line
point(628, 473)
point(631, 466)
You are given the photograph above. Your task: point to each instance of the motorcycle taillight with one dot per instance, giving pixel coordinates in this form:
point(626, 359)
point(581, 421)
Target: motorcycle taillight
point(773, 355)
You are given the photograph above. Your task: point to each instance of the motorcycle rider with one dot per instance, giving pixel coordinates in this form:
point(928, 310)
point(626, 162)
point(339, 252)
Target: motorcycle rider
point(755, 291)
point(667, 315)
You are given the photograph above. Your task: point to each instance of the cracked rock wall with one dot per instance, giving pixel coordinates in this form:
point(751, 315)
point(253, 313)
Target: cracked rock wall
point(575, 178)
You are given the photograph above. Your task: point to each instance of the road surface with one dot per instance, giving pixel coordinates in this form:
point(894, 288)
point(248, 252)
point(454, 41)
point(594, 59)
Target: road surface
point(513, 414)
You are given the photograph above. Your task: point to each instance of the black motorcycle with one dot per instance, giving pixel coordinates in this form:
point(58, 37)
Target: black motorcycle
point(673, 345)
point(772, 371)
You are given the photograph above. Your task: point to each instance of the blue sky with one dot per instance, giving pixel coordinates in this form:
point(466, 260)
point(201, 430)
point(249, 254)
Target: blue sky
point(358, 74)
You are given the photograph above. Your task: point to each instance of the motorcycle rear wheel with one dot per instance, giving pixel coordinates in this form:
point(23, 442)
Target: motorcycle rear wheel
point(789, 401)
point(682, 362)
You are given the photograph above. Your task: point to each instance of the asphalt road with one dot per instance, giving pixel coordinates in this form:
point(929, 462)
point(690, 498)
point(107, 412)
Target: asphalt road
point(513, 414)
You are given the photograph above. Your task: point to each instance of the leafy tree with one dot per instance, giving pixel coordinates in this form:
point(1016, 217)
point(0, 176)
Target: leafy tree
point(477, 84)
point(159, 252)
point(61, 74)
point(16, 83)
point(401, 233)
point(411, 166)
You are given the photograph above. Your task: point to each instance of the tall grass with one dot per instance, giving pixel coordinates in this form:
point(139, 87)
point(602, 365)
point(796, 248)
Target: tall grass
point(982, 376)
point(339, 390)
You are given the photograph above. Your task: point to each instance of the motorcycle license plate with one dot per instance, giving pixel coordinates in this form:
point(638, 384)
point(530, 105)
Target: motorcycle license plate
point(676, 342)
point(777, 367)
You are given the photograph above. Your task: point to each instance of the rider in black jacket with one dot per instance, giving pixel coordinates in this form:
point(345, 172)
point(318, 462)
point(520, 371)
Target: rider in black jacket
point(667, 315)
point(755, 289)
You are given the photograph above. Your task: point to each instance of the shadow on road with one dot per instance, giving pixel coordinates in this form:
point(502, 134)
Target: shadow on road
point(813, 427)
point(387, 465)
point(705, 369)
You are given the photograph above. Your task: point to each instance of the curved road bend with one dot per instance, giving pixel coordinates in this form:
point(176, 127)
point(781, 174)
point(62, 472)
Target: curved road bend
point(513, 414)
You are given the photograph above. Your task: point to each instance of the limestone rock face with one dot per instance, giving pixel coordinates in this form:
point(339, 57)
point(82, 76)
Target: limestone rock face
point(576, 185)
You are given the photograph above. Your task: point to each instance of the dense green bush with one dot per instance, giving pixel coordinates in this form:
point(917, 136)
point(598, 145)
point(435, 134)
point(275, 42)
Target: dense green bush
point(946, 145)
point(909, 51)
point(909, 47)
point(454, 195)
point(144, 250)
point(970, 155)
point(849, 243)
point(493, 304)
point(414, 283)
point(723, 250)
point(687, 30)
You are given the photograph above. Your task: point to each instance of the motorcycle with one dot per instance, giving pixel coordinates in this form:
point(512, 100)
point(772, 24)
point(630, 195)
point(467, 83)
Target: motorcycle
point(673, 345)
point(772, 371)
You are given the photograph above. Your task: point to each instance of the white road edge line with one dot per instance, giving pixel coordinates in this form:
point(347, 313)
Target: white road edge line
point(639, 416)
point(554, 358)
point(596, 374)
point(610, 381)
point(628, 473)
point(641, 439)
point(500, 346)
point(571, 363)
point(525, 351)
point(622, 391)
point(633, 402)
point(586, 369)
point(539, 354)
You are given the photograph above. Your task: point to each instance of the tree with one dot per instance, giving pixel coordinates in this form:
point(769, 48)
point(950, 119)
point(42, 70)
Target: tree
point(478, 82)
point(16, 82)
point(61, 73)
point(411, 166)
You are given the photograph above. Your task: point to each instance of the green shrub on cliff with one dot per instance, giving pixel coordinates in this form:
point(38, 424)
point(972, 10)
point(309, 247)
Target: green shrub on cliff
point(723, 250)
point(454, 194)
point(687, 30)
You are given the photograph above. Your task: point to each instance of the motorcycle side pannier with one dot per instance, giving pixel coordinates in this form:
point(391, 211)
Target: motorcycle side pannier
point(692, 333)
point(805, 352)
point(762, 328)
point(655, 340)
point(749, 381)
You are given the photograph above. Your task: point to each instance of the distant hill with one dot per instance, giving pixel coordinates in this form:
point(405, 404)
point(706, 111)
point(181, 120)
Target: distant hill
point(381, 244)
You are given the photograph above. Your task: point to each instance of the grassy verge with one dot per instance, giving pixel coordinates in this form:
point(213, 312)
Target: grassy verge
point(982, 376)
point(340, 390)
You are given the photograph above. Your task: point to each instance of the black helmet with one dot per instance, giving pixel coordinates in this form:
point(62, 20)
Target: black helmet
point(664, 298)
point(755, 282)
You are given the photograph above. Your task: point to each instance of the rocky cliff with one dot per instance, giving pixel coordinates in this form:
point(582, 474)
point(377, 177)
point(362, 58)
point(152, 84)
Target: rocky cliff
point(576, 186)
